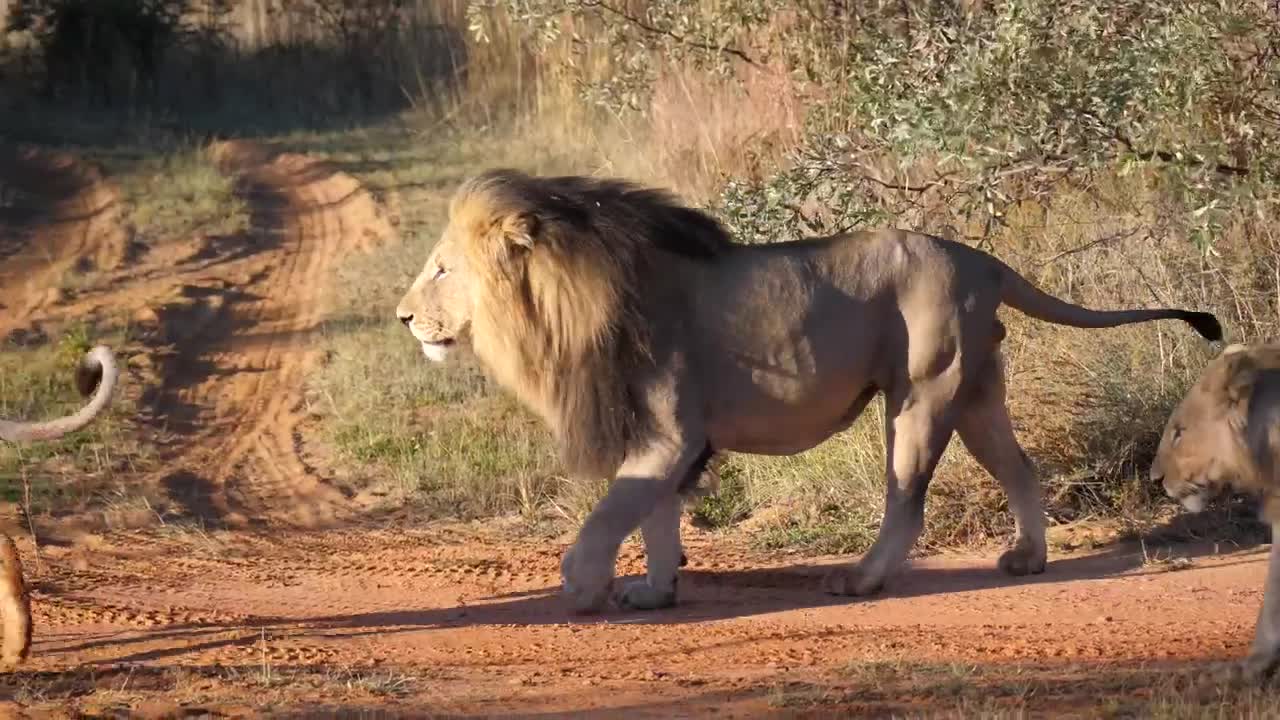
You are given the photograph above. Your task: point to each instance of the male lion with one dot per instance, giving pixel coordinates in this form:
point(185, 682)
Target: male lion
point(648, 341)
point(97, 370)
point(1225, 434)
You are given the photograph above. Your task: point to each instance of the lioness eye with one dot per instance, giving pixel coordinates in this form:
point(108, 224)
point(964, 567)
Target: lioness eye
point(440, 272)
point(1177, 434)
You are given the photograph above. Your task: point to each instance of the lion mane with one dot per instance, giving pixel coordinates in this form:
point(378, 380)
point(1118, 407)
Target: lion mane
point(567, 327)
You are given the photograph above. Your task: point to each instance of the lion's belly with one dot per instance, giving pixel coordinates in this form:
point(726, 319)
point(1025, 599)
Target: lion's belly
point(788, 405)
point(785, 355)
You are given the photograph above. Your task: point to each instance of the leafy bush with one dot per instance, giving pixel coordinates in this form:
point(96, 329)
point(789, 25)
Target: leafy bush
point(1109, 151)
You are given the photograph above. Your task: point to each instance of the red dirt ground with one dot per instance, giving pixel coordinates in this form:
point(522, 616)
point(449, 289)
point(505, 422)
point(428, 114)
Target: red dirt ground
point(304, 605)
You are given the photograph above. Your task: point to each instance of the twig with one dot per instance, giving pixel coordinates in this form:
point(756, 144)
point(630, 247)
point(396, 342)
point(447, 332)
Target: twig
point(26, 510)
point(1089, 245)
point(653, 30)
point(928, 185)
point(1166, 156)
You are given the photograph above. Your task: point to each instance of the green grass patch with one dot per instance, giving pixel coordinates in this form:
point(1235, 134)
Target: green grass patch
point(176, 192)
point(36, 383)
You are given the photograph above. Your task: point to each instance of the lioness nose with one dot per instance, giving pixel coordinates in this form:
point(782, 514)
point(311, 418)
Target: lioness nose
point(406, 319)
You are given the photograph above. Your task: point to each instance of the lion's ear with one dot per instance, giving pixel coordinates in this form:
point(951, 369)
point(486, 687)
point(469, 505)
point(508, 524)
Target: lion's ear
point(1242, 373)
point(520, 230)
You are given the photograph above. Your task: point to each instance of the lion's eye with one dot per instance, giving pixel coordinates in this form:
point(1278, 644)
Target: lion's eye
point(1177, 435)
point(440, 272)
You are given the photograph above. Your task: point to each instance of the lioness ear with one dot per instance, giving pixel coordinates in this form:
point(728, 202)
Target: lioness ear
point(1242, 373)
point(520, 229)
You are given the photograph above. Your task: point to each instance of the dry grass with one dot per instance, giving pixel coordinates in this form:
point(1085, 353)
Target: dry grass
point(1088, 405)
point(872, 688)
point(905, 688)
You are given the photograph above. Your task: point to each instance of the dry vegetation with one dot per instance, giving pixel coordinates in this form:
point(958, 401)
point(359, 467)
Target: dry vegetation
point(1115, 161)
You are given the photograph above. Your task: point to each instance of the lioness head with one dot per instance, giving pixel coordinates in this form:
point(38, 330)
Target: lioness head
point(437, 307)
point(1204, 448)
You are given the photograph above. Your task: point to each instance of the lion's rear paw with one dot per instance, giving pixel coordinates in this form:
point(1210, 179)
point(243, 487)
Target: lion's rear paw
point(643, 596)
point(851, 581)
point(1022, 560)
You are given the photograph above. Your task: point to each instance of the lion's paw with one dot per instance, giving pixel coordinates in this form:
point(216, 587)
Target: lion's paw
point(851, 581)
point(643, 596)
point(585, 585)
point(1022, 560)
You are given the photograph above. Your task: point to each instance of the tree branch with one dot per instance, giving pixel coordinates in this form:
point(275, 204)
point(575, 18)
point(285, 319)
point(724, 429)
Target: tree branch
point(1166, 156)
point(654, 30)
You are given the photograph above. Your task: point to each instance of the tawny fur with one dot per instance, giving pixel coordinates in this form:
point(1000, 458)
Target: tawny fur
point(1225, 435)
point(15, 607)
point(648, 341)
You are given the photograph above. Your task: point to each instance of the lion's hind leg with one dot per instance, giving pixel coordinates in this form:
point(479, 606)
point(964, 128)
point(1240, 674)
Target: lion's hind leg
point(987, 432)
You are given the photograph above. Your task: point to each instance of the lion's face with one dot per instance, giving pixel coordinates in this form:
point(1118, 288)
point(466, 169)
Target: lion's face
point(437, 307)
point(1202, 449)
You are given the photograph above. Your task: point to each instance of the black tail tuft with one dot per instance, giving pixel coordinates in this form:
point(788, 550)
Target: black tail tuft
point(1205, 323)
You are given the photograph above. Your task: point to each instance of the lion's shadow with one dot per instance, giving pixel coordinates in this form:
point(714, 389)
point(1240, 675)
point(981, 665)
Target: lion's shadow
point(709, 595)
point(705, 596)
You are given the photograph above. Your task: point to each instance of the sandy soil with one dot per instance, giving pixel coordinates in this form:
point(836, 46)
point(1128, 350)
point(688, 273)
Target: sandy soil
point(299, 602)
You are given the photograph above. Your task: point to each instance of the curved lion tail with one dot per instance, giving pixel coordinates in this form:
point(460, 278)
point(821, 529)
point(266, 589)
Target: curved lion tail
point(97, 369)
point(1018, 292)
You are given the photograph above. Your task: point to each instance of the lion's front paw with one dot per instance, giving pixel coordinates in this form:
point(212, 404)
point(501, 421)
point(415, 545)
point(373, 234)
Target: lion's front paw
point(643, 596)
point(851, 581)
point(1022, 559)
point(585, 584)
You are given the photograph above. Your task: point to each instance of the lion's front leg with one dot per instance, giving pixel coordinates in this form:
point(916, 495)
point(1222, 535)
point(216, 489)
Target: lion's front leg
point(644, 481)
point(663, 556)
point(1264, 655)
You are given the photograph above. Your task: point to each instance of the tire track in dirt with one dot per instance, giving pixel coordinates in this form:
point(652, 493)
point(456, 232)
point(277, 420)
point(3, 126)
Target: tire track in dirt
point(234, 390)
point(57, 213)
point(470, 608)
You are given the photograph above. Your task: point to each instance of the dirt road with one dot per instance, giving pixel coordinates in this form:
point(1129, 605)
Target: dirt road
point(293, 601)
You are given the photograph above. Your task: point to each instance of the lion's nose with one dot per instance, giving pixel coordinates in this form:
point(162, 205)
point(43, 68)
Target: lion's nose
point(406, 319)
point(1157, 475)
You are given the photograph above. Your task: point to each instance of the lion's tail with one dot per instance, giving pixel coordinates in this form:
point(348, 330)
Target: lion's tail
point(97, 369)
point(1018, 292)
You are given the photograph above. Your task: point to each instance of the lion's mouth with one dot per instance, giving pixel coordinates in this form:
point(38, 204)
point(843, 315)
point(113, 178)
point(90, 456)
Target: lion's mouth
point(1196, 494)
point(437, 350)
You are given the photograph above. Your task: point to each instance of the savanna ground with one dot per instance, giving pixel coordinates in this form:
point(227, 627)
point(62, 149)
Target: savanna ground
point(286, 511)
